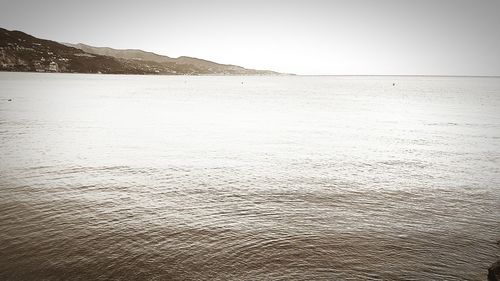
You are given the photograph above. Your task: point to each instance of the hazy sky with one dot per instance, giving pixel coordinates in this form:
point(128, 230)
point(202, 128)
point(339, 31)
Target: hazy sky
point(454, 37)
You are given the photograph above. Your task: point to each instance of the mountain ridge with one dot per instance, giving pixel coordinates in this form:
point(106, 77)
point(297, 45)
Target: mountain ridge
point(20, 51)
point(138, 54)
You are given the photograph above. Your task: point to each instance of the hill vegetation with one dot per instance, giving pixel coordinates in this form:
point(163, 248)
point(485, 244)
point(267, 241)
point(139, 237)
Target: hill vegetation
point(22, 52)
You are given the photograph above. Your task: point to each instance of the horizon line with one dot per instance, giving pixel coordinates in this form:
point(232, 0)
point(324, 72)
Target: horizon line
point(403, 75)
point(271, 75)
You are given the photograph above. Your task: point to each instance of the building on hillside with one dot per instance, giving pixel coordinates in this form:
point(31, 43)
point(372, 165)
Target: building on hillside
point(38, 67)
point(53, 67)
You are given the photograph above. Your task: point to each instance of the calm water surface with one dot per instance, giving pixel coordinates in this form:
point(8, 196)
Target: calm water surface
point(108, 177)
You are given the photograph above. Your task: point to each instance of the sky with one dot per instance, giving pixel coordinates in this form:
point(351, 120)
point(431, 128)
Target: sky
point(314, 37)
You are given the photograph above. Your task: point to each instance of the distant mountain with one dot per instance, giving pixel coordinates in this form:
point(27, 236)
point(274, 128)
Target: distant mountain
point(198, 65)
point(22, 52)
point(130, 54)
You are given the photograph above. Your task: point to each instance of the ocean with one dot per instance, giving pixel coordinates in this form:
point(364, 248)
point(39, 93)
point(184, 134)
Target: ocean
point(110, 177)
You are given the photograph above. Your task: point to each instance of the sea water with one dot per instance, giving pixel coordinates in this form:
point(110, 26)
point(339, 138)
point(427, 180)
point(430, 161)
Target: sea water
point(108, 177)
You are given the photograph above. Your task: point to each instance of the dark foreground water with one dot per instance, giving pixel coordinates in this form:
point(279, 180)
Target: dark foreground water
point(248, 178)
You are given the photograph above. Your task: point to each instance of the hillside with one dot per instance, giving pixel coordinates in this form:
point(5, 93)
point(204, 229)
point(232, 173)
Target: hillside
point(132, 54)
point(22, 52)
point(196, 65)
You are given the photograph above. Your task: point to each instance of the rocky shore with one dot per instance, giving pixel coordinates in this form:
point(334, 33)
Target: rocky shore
point(494, 272)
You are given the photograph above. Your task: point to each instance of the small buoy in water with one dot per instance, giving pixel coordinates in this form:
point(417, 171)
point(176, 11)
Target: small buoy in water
point(393, 84)
point(9, 100)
